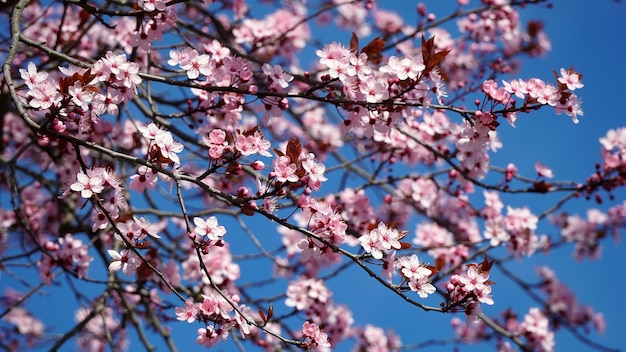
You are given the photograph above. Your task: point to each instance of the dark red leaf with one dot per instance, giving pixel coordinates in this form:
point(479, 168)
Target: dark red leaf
point(373, 50)
point(294, 148)
point(270, 312)
point(404, 245)
point(354, 43)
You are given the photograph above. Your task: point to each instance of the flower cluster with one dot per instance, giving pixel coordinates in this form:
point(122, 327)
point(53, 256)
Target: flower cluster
point(162, 149)
point(561, 301)
point(536, 91)
point(302, 294)
point(283, 32)
point(295, 166)
point(471, 288)
point(416, 274)
point(76, 96)
point(405, 78)
point(313, 298)
point(521, 224)
point(220, 313)
point(100, 334)
point(218, 262)
point(69, 253)
point(23, 321)
point(314, 336)
point(373, 338)
point(536, 329)
point(381, 239)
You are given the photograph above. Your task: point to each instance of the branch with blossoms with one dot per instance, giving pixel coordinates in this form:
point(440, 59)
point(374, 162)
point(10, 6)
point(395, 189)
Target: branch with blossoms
point(146, 138)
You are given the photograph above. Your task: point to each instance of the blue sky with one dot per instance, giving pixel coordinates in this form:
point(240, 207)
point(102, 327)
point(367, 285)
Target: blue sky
point(587, 37)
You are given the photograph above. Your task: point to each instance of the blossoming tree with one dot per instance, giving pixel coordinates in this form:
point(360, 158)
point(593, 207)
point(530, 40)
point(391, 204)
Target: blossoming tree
point(190, 166)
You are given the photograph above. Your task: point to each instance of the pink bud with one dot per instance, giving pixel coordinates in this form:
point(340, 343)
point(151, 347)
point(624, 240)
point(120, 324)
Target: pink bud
point(258, 165)
point(50, 246)
point(43, 141)
point(421, 9)
point(243, 192)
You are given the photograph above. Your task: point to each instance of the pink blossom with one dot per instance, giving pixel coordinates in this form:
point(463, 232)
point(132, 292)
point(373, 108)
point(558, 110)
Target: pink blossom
point(537, 330)
point(216, 141)
point(411, 268)
point(181, 57)
point(125, 260)
point(379, 239)
point(422, 287)
point(87, 185)
point(285, 170)
point(80, 97)
point(209, 228)
point(549, 95)
point(303, 293)
point(152, 5)
point(252, 144)
point(315, 171)
point(187, 313)
point(207, 336)
point(572, 107)
point(543, 170)
point(24, 322)
point(516, 87)
point(277, 76)
point(424, 192)
point(31, 77)
point(144, 178)
point(44, 96)
point(403, 68)
point(571, 79)
point(168, 147)
point(474, 279)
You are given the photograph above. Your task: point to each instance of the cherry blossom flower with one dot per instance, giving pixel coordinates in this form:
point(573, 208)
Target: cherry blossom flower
point(571, 79)
point(536, 328)
point(543, 170)
point(207, 336)
point(124, 260)
point(411, 268)
point(422, 287)
point(572, 107)
point(44, 96)
point(403, 68)
point(314, 333)
point(516, 87)
point(87, 185)
point(144, 178)
point(32, 78)
point(209, 228)
point(168, 147)
point(24, 322)
point(80, 97)
point(216, 141)
point(252, 144)
point(315, 171)
point(277, 76)
point(474, 280)
point(187, 313)
point(152, 5)
point(285, 170)
point(303, 293)
point(424, 191)
point(379, 239)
